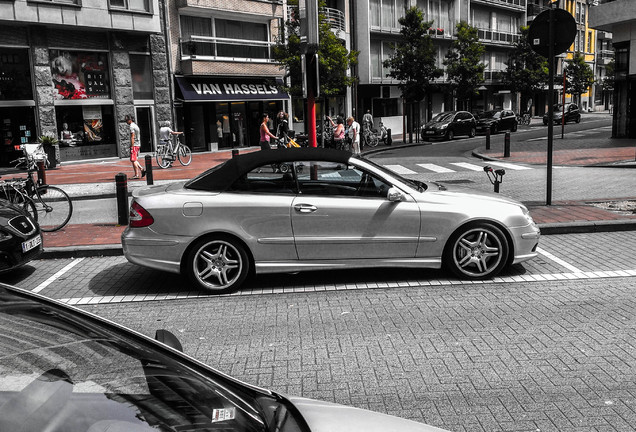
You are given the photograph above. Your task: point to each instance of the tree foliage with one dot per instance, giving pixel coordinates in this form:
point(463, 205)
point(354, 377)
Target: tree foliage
point(578, 75)
point(413, 58)
point(334, 58)
point(608, 81)
point(526, 71)
point(463, 63)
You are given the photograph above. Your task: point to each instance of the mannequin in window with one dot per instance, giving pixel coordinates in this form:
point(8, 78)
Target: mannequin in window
point(66, 136)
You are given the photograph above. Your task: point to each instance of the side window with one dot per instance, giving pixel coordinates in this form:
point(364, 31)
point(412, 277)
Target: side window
point(267, 179)
point(332, 179)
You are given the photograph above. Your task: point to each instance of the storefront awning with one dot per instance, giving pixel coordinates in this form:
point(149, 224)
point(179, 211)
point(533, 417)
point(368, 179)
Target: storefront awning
point(213, 89)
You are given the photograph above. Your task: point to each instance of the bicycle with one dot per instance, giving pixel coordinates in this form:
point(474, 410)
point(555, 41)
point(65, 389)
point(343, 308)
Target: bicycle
point(369, 137)
point(166, 153)
point(49, 206)
point(524, 119)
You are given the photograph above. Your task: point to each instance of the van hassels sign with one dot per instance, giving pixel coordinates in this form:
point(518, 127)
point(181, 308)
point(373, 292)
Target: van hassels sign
point(194, 88)
point(79, 74)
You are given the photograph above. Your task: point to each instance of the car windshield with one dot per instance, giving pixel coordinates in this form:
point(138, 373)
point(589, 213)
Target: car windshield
point(85, 373)
point(415, 184)
point(443, 117)
point(489, 114)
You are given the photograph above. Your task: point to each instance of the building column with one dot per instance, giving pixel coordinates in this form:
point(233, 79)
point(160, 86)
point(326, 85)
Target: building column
point(45, 109)
point(122, 94)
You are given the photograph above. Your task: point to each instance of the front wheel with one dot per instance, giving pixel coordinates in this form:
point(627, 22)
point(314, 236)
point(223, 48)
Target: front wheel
point(472, 132)
point(476, 251)
point(373, 140)
point(450, 135)
point(185, 155)
point(25, 203)
point(514, 127)
point(54, 207)
point(217, 264)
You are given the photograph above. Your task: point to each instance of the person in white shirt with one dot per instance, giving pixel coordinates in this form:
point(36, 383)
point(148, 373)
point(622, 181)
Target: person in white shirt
point(354, 134)
point(165, 132)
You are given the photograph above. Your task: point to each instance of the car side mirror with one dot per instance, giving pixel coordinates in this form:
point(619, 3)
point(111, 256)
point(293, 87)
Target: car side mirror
point(167, 338)
point(394, 194)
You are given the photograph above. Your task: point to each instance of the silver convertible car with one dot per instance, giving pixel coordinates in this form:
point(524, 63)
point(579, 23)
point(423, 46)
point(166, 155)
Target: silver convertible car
point(317, 209)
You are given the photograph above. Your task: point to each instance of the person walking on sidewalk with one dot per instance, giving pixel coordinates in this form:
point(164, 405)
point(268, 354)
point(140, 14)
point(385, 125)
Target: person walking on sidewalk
point(266, 135)
point(354, 134)
point(135, 145)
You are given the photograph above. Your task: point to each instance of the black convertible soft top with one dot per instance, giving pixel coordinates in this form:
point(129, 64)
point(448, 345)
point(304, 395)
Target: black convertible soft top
point(222, 176)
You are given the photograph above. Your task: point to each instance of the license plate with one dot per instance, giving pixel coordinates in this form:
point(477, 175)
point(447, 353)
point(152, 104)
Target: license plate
point(430, 132)
point(31, 243)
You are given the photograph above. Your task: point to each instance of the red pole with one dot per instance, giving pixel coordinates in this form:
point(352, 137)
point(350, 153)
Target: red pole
point(311, 112)
point(563, 106)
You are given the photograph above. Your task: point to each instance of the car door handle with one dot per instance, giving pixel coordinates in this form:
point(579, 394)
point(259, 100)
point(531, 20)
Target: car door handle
point(305, 208)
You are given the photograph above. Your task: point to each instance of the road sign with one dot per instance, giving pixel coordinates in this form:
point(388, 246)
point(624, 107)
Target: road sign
point(564, 32)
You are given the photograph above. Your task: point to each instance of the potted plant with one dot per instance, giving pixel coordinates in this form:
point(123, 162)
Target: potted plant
point(51, 148)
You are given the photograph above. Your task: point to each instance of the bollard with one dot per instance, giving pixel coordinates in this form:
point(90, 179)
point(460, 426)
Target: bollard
point(507, 145)
point(235, 152)
point(121, 186)
point(41, 173)
point(488, 139)
point(149, 178)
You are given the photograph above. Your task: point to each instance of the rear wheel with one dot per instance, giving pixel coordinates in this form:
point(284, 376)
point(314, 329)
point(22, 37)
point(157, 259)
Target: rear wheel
point(372, 140)
point(578, 119)
point(476, 251)
point(217, 264)
point(162, 156)
point(472, 132)
point(185, 155)
point(450, 134)
point(54, 208)
point(25, 203)
point(514, 127)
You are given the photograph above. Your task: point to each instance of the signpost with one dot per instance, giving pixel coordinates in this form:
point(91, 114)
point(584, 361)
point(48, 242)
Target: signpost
point(552, 32)
point(308, 11)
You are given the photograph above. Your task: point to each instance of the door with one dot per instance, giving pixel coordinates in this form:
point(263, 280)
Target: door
point(343, 213)
point(146, 129)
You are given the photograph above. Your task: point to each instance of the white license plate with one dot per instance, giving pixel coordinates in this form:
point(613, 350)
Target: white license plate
point(31, 243)
point(430, 132)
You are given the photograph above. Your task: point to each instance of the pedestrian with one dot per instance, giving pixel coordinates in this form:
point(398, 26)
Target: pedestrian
point(165, 132)
point(282, 129)
point(266, 135)
point(354, 134)
point(338, 132)
point(367, 126)
point(135, 145)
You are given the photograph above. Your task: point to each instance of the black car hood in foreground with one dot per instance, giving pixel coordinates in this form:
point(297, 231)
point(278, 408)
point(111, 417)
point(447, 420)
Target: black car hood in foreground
point(82, 371)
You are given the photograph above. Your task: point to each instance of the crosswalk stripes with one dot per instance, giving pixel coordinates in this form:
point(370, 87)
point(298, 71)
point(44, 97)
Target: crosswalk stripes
point(429, 167)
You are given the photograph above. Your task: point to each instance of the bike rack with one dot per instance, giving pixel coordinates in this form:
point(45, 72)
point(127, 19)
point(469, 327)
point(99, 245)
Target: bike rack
point(495, 176)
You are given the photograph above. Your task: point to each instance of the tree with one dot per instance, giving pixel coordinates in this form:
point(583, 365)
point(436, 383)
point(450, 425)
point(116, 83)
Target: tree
point(334, 58)
point(579, 76)
point(463, 63)
point(413, 58)
point(526, 71)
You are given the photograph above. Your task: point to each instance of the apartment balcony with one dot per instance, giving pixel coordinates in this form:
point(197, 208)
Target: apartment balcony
point(603, 35)
point(604, 61)
point(518, 5)
point(608, 14)
point(534, 10)
point(204, 48)
point(492, 77)
point(335, 18)
point(497, 37)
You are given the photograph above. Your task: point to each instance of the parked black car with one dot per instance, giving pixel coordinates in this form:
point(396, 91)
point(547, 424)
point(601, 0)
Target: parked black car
point(496, 120)
point(20, 237)
point(449, 124)
point(572, 114)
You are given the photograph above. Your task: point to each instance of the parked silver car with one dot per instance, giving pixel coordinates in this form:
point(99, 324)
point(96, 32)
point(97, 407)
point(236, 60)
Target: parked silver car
point(65, 370)
point(315, 209)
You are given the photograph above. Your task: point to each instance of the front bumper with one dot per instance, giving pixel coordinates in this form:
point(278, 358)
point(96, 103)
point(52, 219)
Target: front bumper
point(526, 241)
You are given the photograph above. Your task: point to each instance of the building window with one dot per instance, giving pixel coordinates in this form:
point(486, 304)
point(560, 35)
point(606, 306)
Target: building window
point(131, 5)
point(221, 38)
point(15, 75)
point(141, 71)
point(589, 42)
point(380, 51)
point(62, 2)
point(386, 13)
point(79, 74)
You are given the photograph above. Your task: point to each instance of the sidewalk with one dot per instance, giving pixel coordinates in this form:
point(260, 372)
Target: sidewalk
point(89, 179)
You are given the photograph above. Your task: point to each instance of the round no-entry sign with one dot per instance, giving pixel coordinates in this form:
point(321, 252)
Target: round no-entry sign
point(564, 32)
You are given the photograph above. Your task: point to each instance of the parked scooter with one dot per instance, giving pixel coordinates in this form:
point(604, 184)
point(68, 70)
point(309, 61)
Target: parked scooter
point(385, 135)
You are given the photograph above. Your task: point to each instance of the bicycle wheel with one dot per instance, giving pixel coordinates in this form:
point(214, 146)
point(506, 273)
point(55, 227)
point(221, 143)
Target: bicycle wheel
point(185, 155)
point(25, 203)
point(162, 156)
point(372, 140)
point(54, 207)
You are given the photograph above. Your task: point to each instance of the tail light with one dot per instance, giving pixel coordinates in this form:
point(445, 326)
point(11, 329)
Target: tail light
point(139, 216)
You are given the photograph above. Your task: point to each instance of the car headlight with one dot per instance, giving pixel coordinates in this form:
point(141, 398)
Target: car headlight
point(526, 214)
point(444, 126)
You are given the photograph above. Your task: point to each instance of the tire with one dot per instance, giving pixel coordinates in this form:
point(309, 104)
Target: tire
point(494, 129)
point(284, 168)
point(514, 127)
point(476, 251)
point(545, 122)
point(217, 264)
point(373, 140)
point(472, 132)
point(185, 155)
point(162, 157)
point(578, 119)
point(450, 135)
point(54, 208)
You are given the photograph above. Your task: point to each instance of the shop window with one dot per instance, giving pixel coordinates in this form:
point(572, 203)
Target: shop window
point(131, 5)
point(79, 74)
point(17, 126)
point(141, 70)
point(15, 75)
point(85, 125)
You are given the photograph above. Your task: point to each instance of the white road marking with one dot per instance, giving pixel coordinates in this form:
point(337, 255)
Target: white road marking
point(509, 166)
point(468, 166)
point(399, 169)
point(559, 261)
point(50, 280)
point(435, 168)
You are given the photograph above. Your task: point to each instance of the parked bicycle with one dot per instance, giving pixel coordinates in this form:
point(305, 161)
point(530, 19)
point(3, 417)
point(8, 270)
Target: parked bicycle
point(369, 137)
point(167, 153)
point(524, 119)
point(49, 206)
